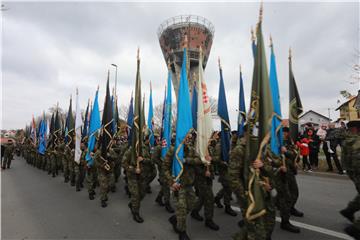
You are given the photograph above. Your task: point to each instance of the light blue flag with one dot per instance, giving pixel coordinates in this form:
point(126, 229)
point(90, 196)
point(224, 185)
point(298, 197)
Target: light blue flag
point(42, 137)
point(166, 136)
point(150, 121)
point(94, 127)
point(276, 140)
point(184, 121)
point(242, 110)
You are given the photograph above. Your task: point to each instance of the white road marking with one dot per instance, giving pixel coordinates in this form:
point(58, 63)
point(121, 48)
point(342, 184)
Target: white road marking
point(312, 228)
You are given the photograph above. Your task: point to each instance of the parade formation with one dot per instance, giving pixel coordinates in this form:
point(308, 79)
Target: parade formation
point(256, 164)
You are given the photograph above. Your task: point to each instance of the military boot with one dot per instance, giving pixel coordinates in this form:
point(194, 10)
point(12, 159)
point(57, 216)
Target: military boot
point(168, 208)
point(287, 226)
point(352, 231)
point(183, 236)
point(348, 214)
point(210, 224)
point(230, 211)
point(66, 179)
point(113, 189)
point(159, 201)
point(195, 215)
point(218, 202)
point(91, 196)
point(103, 204)
point(137, 217)
point(173, 222)
point(296, 213)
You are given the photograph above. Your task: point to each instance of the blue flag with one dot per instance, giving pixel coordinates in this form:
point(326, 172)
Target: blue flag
point(166, 136)
point(163, 115)
point(184, 121)
point(253, 44)
point(242, 110)
point(95, 125)
point(194, 107)
point(42, 137)
point(276, 140)
point(130, 120)
point(150, 122)
point(225, 123)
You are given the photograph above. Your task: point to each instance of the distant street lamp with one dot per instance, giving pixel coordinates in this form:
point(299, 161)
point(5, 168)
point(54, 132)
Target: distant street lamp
point(116, 67)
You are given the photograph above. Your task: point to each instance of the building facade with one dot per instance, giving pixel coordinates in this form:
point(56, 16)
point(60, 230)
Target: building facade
point(316, 119)
point(348, 111)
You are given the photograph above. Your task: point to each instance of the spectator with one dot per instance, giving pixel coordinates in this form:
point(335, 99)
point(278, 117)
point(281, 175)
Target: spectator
point(333, 136)
point(325, 146)
point(303, 145)
point(314, 146)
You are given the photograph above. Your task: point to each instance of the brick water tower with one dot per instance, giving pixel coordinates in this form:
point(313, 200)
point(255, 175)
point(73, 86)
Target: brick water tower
point(190, 31)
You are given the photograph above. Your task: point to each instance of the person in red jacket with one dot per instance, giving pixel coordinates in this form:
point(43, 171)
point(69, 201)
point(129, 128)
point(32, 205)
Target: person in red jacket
point(303, 145)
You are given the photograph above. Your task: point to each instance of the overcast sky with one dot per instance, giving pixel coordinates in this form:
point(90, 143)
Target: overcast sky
point(49, 49)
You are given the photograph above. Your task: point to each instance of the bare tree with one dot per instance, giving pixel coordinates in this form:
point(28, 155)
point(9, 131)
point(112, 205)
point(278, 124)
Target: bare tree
point(123, 112)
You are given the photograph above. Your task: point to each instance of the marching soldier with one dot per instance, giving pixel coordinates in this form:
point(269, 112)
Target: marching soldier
point(8, 154)
point(350, 157)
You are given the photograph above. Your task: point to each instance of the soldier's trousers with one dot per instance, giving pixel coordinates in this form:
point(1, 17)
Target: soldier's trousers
point(117, 170)
point(91, 179)
point(149, 173)
point(293, 188)
point(79, 175)
point(283, 199)
point(7, 161)
point(185, 203)
point(137, 188)
point(65, 164)
point(72, 170)
point(354, 205)
point(205, 196)
point(104, 182)
point(225, 191)
point(165, 189)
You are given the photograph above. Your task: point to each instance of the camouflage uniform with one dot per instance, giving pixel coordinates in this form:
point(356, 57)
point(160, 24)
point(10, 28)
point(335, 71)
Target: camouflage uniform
point(79, 170)
point(185, 197)
point(66, 161)
point(114, 156)
point(136, 182)
point(149, 167)
point(72, 163)
point(104, 174)
point(8, 156)
point(350, 156)
point(91, 179)
point(165, 189)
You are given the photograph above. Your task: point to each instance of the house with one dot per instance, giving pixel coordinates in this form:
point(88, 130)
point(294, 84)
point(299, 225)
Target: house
point(348, 111)
point(357, 102)
point(316, 119)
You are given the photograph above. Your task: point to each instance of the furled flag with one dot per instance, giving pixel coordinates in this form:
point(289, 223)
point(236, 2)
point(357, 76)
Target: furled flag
point(295, 106)
point(166, 136)
point(258, 130)
point(130, 119)
point(242, 110)
point(86, 122)
point(116, 115)
point(78, 125)
point(94, 127)
point(253, 44)
point(33, 131)
point(276, 139)
point(70, 127)
point(194, 106)
point(184, 121)
point(107, 119)
point(138, 125)
point(57, 126)
point(224, 118)
point(163, 115)
point(150, 121)
point(204, 121)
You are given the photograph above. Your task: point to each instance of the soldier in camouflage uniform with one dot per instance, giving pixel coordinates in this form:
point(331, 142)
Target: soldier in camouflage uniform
point(8, 155)
point(79, 169)
point(225, 191)
point(149, 165)
point(65, 155)
point(350, 157)
point(183, 189)
point(283, 183)
point(204, 175)
point(136, 180)
point(91, 176)
point(104, 170)
point(114, 155)
point(72, 163)
point(165, 189)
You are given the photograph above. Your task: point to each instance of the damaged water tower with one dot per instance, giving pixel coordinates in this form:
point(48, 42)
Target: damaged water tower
point(188, 31)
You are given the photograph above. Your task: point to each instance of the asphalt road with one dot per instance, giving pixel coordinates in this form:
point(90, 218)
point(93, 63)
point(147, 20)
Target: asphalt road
point(37, 206)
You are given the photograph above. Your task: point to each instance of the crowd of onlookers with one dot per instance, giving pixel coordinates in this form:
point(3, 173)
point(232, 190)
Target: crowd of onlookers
point(327, 138)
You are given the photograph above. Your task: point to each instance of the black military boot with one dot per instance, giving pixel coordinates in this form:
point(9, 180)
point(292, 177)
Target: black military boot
point(66, 179)
point(348, 214)
point(210, 224)
point(127, 190)
point(296, 213)
point(168, 208)
point(196, 215)
point(352, 231)
point(173, 222)
point(241, 223)
point(103, 204)
point(137, 217)
point(78, 188)
point(148, 189)
point(113, 188)
point(53, 175)
point(72, 183)
point(159, 201)
point(287, 226)
point(91, 196)
point(183, 236)
point(230, 211)
point(218, 202)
